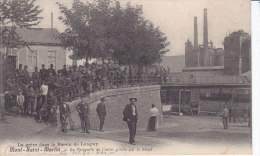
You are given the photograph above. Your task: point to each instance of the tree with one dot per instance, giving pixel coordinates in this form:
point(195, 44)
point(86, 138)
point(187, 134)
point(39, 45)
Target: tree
point(103, 28)
point(87, 33)
point(17, 13)
point(139, 43)
point(13, 14)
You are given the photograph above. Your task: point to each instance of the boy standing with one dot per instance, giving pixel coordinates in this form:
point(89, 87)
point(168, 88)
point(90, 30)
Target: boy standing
point(20, 102)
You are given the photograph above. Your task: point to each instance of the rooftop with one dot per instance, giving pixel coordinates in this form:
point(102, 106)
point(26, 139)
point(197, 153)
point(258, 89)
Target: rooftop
point(39, 36)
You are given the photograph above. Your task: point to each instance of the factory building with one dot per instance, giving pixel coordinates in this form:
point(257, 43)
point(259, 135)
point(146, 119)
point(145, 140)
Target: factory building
point(205, 55)
point(237, 47)
point(234, 59)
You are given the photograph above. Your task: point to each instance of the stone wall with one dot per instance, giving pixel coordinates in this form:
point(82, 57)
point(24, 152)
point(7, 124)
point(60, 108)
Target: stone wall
point(116, 99)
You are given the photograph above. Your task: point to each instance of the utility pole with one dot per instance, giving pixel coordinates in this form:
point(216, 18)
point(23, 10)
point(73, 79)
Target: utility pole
point(2, 114)
point(179, 102)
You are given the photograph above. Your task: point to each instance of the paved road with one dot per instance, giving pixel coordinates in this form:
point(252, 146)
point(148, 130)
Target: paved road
point(176, 135)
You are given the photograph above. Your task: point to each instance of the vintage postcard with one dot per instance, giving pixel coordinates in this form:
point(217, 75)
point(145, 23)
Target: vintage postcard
point(125, 77)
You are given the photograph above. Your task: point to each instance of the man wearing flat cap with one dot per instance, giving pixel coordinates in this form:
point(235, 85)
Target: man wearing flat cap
point(130, 116)
point(101, 111)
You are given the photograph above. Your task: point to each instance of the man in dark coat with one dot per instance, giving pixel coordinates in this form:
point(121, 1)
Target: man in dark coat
point(19, 75)
point(64, 71)
point(51, 102)
point(30, 100)
point(101, 111)
point(26, 74)
point(43, 73)
point(130, 116)
point(36, 79)
point(52, 70)
point(83, 110)
point(64, 115)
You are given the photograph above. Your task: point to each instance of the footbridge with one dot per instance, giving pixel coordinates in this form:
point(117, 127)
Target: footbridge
point(222, 81)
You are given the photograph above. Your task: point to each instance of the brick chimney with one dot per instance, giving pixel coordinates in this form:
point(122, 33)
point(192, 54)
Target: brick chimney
point(195, 32)
point(205, 30)
point(51, 20)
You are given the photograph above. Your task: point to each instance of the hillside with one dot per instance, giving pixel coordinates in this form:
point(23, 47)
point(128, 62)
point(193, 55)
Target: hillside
point(176, 63)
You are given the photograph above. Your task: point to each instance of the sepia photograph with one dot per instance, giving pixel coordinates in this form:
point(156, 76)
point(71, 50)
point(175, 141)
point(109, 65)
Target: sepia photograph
point(125, 77)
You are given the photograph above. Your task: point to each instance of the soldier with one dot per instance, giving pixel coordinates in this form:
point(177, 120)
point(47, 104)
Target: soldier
point(43, 73)
point(83, 110)
point(101, 111)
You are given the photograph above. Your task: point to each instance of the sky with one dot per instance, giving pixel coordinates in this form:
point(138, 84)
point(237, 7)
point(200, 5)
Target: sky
point(175, 18)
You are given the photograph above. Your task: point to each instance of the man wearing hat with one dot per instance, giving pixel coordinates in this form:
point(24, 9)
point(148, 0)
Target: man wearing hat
point(83, 110)
point(130, 116)
point(101, 111)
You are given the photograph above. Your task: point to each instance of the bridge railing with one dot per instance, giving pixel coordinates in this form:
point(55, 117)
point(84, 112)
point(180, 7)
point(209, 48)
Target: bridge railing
point(205, 80)
point(176, 80)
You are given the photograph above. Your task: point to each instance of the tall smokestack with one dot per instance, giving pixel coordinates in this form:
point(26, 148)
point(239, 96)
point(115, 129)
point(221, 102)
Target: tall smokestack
point(195, 32)
point(51, 20)
point(205, 30)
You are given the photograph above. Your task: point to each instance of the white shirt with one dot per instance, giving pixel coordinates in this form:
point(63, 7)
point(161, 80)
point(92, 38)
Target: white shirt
point(133, 107)
point(44, 89)
point(154, 111)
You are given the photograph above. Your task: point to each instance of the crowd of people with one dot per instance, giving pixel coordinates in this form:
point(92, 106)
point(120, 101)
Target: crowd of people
point(24, 91)
point(38, 94)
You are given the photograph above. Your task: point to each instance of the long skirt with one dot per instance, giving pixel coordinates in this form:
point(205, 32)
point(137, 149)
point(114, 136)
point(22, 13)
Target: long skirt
point(152, 123)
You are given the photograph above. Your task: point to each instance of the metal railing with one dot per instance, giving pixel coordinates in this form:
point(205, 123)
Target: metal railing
point(145, 80)
point(205, 80)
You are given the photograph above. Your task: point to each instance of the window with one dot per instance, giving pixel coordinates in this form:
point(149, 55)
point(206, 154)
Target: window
point(32, 60)
point(52, 58)
point(12, 52)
